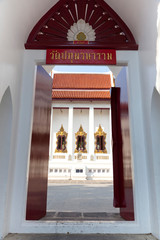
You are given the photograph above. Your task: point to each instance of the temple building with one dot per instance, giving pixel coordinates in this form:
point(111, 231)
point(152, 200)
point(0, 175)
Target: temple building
point(80, 135)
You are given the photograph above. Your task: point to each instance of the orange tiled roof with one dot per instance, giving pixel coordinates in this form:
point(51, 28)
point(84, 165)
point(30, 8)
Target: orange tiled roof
point(80, 94)
point(81, 81)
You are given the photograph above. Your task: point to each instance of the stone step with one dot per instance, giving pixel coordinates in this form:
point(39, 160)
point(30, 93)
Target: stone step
point(79, 237)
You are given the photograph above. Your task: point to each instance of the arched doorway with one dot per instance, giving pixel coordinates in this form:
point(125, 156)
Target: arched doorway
point(36, 41)
point(5, 145)
point(91, 24)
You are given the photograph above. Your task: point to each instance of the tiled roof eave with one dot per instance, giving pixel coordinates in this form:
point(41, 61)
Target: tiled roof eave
point(82, 99)
point(81, 94)
point(81, 81)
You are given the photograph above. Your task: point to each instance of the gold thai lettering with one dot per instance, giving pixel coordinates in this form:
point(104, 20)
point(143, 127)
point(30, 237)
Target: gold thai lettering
point(99, 56)
point(65, 55)
point(82, 55)
point(76, 56)
point(94, 56)
point(109, 56)
point(104, 56)
point(55, 55)
point(52, 55)
point(86, 56)
point(70, 56)
point(58, 56)
point(62, 54)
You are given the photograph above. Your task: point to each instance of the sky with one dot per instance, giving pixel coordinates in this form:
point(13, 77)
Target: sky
point(81, 69)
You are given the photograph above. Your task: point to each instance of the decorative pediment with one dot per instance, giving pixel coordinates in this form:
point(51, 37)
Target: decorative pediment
point(81, 24)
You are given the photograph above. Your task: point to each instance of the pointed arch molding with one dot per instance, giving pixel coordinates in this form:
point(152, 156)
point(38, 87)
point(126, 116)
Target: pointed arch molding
point(104, 27)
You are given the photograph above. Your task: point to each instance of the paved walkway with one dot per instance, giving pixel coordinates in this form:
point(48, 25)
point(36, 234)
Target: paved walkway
point(73, 196)
point(78, 237)
point(80, 196)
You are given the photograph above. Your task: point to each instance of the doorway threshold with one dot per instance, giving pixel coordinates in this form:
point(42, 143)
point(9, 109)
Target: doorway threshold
point(82, 216)
point(80, 237)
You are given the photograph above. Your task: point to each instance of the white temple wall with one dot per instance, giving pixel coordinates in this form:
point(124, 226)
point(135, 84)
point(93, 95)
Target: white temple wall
point(61, 165)
point(81, 117)
point(141, 17)
point(155, 127)
point(5, 164)
point(17, 18)
point(140, 23)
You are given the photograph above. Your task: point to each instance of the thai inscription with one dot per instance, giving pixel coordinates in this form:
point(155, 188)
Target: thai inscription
point(81, 56)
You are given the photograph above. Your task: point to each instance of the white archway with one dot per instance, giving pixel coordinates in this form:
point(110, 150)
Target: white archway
point(5, 144)
point(141, 198)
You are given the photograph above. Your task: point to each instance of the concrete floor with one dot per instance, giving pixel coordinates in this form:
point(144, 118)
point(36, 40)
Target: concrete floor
point(80, 197)
point(78, 237)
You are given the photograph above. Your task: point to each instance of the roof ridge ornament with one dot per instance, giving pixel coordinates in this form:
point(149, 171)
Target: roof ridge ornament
point(91, 23)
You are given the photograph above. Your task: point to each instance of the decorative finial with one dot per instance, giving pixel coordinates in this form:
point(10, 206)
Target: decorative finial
point(81, 128)
point(62, 128)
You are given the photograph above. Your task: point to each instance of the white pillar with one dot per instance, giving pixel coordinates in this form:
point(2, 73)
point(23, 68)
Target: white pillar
point(110, 133)
point(91, 131)
point(51, 136)
point(70, 132)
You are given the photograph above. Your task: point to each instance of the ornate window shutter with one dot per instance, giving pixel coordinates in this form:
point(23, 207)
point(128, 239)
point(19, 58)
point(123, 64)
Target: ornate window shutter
point(61, 141)
point(91, 23)
point(80, 141)
point(100, 141)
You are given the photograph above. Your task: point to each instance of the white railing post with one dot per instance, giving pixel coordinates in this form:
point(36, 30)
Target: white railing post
point(91, 132)
point(70, 132)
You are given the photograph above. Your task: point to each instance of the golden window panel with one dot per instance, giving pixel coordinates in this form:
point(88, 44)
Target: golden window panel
point(80, 141)
point(61, 143)
point(100, 141)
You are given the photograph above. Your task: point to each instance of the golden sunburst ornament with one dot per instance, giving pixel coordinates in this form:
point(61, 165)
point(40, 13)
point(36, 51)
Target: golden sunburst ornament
point(81, 31)
point(81, 36)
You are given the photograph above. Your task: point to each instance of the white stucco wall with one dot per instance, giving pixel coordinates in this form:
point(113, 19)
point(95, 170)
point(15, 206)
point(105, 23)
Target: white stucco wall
point(62, 167)
point(80, 117)
point(141, 18)
point(6, 173)
point(16, 21)
point(17, 18)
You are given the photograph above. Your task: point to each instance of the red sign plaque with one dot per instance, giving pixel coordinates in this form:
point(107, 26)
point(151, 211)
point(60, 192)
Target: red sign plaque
point(81, 56)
